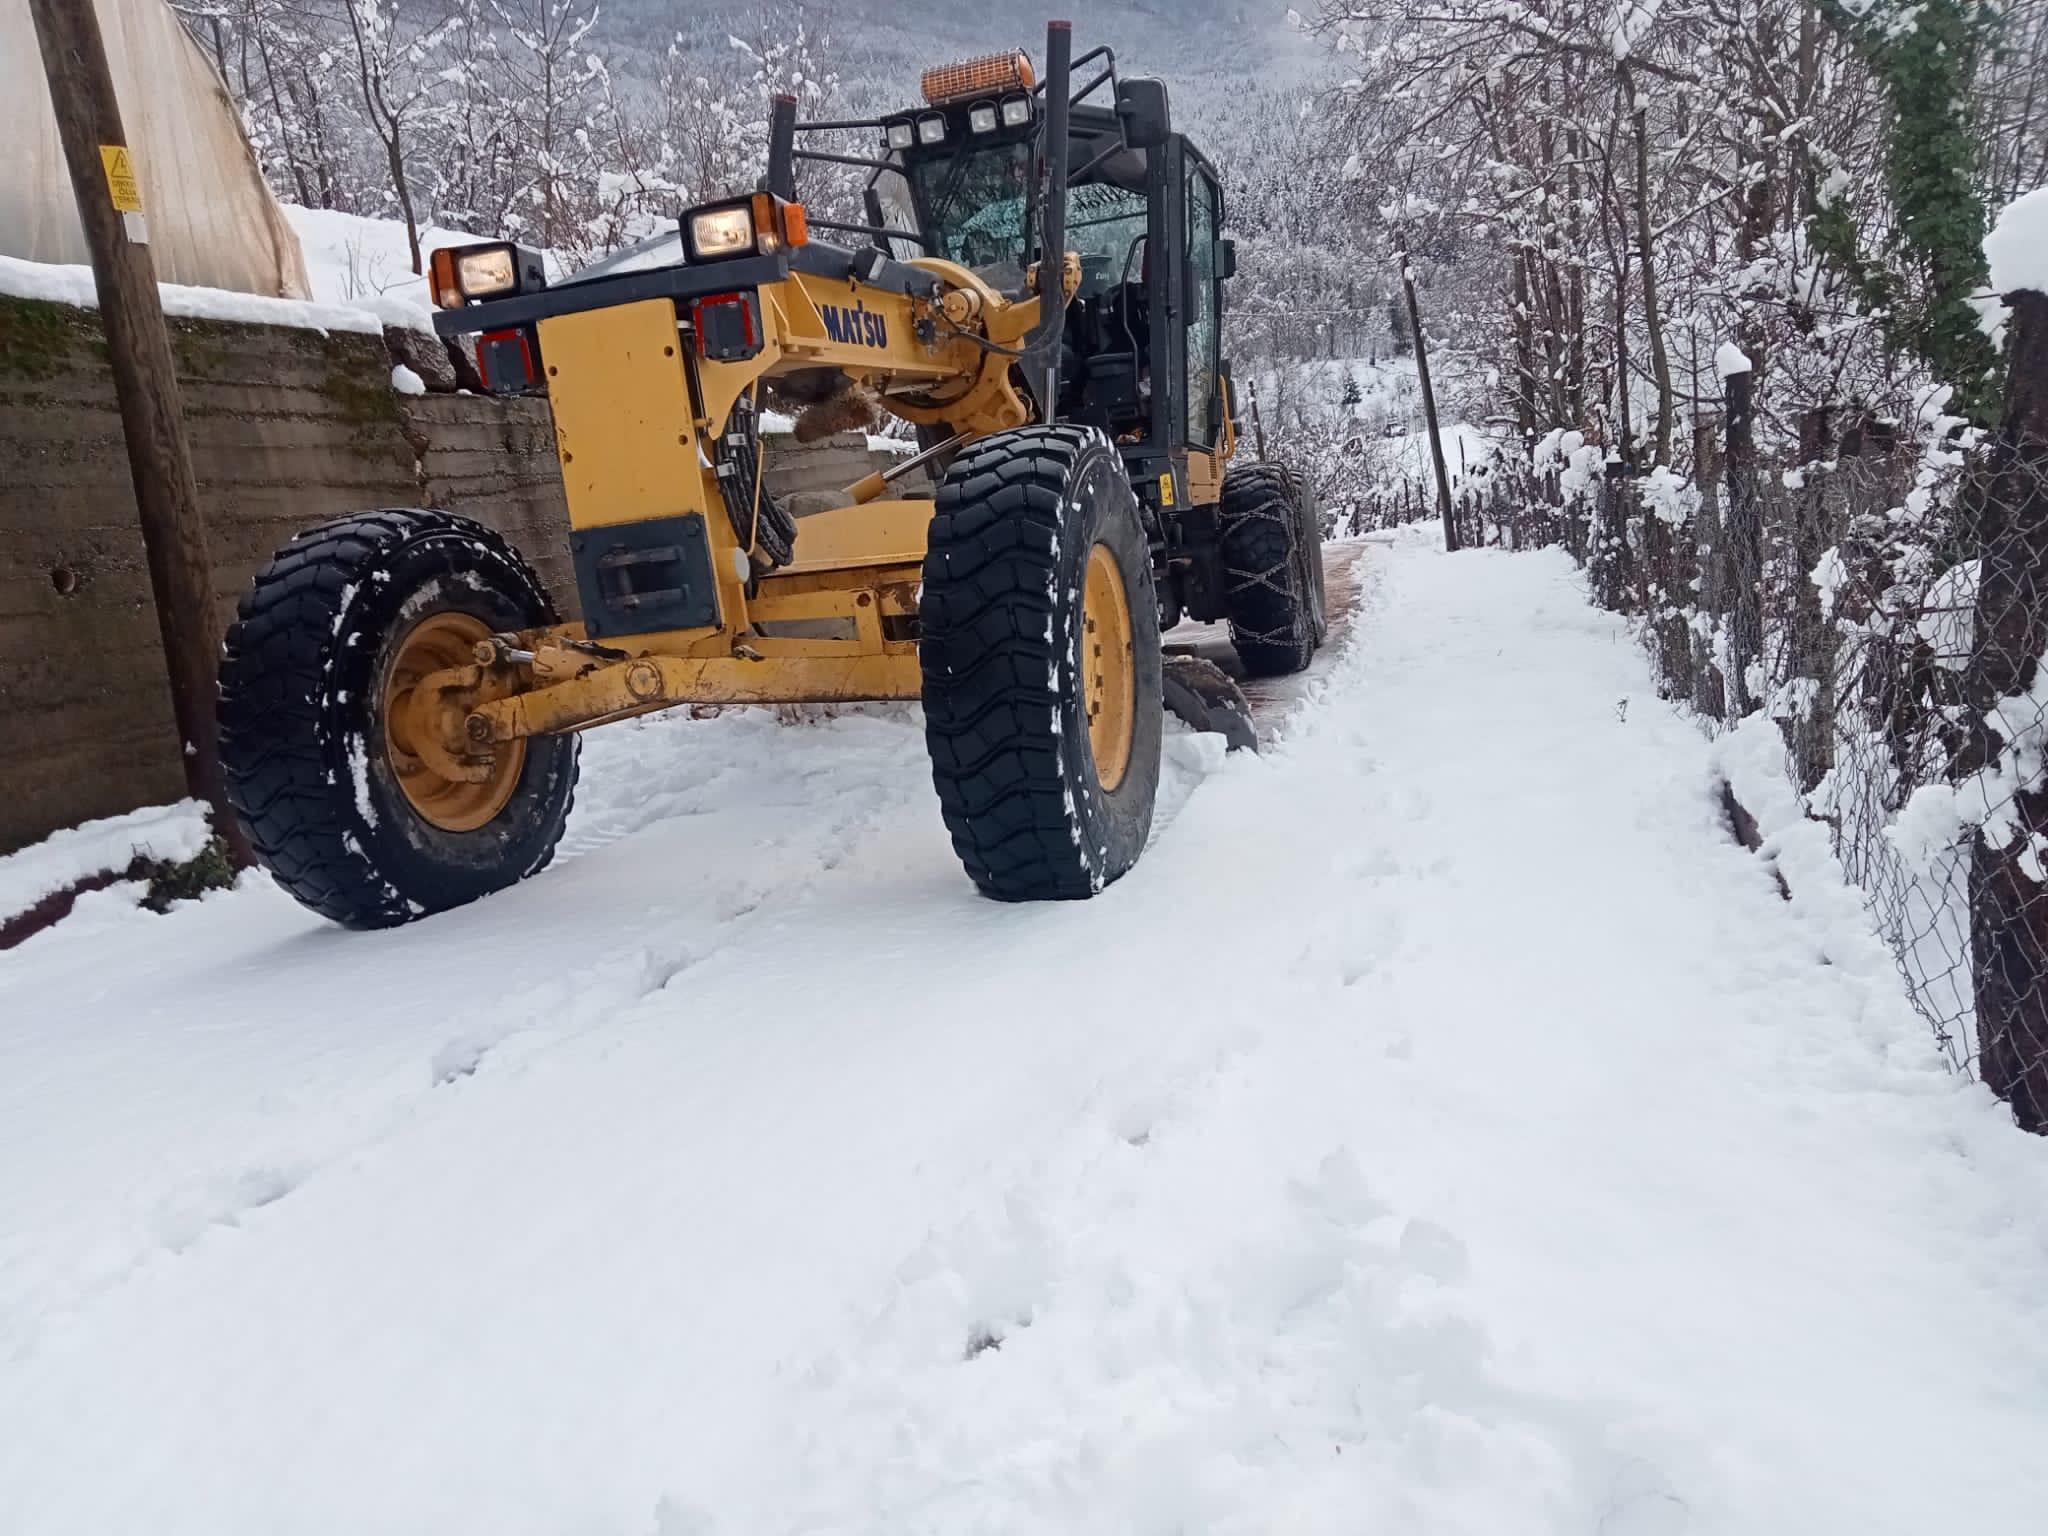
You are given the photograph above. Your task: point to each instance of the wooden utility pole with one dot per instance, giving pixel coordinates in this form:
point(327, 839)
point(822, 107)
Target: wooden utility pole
point(166, 495)
point(1436, 441)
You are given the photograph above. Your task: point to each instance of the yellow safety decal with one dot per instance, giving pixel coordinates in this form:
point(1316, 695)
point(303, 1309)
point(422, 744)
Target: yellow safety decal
point(122, 189)
point(1166, 489)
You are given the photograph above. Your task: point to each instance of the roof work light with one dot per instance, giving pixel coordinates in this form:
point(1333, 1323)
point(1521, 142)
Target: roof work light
point(984, 76)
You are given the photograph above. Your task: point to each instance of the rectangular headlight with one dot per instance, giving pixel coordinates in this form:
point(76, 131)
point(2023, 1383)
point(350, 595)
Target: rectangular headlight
point(982, 118)
point(715, 233)
point(486, 273)
point(901, 134)
point(459, 274)
point(931, 129)
point(1016, 111)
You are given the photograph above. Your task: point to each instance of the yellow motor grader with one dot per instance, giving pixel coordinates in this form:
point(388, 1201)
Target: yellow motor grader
point(1037, 288)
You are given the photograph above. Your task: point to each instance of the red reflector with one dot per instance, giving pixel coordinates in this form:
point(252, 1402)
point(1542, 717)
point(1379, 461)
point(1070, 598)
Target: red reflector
point(728, 326)
point(504, 361)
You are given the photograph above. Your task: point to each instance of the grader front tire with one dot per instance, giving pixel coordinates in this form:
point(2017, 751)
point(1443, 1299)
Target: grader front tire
point(354, 803)
point(1040, 651)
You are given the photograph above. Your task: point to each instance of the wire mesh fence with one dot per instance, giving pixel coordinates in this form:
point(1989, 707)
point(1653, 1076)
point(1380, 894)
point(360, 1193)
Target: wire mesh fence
point(1885, 603)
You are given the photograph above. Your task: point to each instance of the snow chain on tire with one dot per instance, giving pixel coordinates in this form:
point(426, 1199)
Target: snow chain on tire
point(302, 734)
point(1272, 559)
point(1016, 521)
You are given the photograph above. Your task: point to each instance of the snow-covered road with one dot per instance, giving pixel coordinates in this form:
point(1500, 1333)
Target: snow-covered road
point(1446, 1128)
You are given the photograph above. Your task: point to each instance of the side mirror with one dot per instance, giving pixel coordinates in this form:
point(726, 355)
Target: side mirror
point(1141, 103)
point(1226, 257)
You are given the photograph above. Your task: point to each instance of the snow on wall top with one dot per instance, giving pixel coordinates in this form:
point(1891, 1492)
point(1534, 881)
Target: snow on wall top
point(74, 285)
point(360, 271)
point(2017, 246)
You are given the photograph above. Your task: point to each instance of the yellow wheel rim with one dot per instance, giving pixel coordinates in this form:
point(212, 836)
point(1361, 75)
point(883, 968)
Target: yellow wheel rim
point(1109, 668)
point(450, 781)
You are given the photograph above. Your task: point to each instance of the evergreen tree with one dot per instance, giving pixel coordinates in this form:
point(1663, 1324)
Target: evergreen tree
point(1924, 53)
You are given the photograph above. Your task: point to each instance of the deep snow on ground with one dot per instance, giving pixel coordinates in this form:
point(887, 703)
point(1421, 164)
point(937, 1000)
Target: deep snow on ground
point(352, 259)
point(1446, 1128)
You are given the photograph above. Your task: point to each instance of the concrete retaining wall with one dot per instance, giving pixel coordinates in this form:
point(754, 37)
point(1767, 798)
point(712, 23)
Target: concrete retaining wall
point(287, 427)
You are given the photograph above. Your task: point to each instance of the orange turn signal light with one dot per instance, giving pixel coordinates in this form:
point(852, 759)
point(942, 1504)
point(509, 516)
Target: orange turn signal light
point(779, 223)
point(441, 269)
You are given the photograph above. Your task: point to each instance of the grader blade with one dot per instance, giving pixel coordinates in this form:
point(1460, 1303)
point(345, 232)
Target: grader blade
point(1201, 693)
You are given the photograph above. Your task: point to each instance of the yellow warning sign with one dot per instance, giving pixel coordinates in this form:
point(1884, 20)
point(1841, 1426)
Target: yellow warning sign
point(121, 185)
point(1166, 490)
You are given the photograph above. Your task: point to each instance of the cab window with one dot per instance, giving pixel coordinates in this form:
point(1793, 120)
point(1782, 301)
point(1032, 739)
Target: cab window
point(1204, 332)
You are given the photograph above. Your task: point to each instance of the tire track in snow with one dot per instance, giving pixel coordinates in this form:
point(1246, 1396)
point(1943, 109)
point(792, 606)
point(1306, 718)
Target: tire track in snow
point(504, 1023)
point(1443, 1129)
point(1147, 1333)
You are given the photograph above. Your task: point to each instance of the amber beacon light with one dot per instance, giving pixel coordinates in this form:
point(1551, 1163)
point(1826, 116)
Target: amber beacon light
point(978, 77)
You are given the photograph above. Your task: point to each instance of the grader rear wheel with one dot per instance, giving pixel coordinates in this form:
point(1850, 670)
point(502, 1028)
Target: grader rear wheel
point(342, 711)
point(1039, 645)
point(1273, 569)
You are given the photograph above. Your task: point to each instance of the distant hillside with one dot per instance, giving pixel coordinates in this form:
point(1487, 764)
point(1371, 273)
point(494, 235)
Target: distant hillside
point(883, 45)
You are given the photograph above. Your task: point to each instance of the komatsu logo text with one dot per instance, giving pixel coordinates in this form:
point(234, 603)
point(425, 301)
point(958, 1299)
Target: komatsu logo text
point(857, 327)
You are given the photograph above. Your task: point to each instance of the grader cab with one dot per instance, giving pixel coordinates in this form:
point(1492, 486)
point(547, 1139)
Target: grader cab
point(1037, 287)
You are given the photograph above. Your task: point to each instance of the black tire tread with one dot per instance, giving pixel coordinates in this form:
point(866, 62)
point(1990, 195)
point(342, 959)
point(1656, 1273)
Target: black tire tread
point(1272, 626)
point(274, 667)
point(989, 657)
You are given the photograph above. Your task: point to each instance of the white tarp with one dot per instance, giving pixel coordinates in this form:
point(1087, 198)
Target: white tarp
point(212, 221)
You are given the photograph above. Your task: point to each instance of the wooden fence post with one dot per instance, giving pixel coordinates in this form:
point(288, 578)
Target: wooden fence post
point(1742, 530)
point(1711, 602)
point(1810, 646)
point(2008, 906)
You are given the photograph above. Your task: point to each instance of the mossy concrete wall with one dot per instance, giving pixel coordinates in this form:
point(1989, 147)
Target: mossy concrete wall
point(287, 427)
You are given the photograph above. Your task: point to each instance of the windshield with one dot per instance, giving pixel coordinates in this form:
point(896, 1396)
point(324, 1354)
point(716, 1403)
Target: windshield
point(976, 204)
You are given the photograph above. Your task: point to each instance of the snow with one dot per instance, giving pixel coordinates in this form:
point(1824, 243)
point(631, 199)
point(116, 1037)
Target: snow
point(1927, 826)
point(365, 262)
point(1445, 1128)
point(60, 284)
point(360, 269)
point(406, 382)
point(1730, 359)
point(1670, 497)
point(2017, 247)
point(1829, 575)
point(1948, 616)
point(1466, 448)
point(173, 832)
